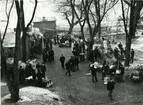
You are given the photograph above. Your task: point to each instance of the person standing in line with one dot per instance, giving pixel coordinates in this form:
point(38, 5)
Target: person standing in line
point(132, 55)
point(110, 87)
point(62, 60)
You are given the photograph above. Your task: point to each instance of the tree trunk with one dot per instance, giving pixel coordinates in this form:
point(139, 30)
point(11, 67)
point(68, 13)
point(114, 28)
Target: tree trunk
point(99, 30)
point(15, 84)
point(24, 33)
point(82, 33)
point(70, 29)
point(137, 11)
point(24, 46)
point(3, 64)
point(129, 36)
point(127, 53)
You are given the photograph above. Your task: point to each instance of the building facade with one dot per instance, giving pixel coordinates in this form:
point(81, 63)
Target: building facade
point(47, 27)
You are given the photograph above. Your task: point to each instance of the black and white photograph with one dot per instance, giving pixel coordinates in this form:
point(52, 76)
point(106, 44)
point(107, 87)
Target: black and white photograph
point(71, 52)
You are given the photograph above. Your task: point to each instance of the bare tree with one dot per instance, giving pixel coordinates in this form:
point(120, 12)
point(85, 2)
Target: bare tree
point(65, 7)
point(79, 13)
point(8, 16)
point(102, 7)
point(3, 56)
point(25, 29)
point(130, 29)
point(136, 6)
point(13, 79)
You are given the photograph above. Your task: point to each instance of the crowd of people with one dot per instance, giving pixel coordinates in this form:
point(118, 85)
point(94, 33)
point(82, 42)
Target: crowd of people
point(107, 58)
point(33, 72)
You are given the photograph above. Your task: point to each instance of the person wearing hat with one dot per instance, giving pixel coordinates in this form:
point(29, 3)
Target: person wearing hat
point(93, 73)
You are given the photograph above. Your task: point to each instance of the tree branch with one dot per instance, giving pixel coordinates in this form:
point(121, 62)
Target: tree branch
point(8, 16)
point(127, 2)
point(6, 8)
point(123, 14)
point(32, 15)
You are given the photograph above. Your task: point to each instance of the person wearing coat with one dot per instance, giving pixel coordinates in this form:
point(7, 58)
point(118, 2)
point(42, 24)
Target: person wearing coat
point(110, 87)
point(76, 61)
point(62, 60)
point(43, 67)
point(93, 73)
point(68, 68)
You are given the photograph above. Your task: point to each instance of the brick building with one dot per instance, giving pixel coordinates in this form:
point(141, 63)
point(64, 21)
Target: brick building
point(47, 27)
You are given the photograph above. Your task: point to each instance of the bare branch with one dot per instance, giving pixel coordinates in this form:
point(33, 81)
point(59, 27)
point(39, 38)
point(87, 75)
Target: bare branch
point(105, 12)
point(8, 16)
point(124, 20)
point(32, 15)
point(127, 2)
point(6, 8)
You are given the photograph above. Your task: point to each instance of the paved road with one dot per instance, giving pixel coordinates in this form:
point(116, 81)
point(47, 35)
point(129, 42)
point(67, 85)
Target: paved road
point(79, 89)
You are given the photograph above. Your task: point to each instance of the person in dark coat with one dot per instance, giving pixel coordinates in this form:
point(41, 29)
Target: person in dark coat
point(45, 55)
point(68, 68)
point(33, 74)
point(110, 87)
point(132, 55)
point(75, 53)
point(55, 40)
point(96, 53)
point(105, 69)
point(93, 73)
point(62, 60)
point(72, 63)
point(76, 61)
point(120, 46)
point(51, 44)
point(116, 53)
point(21, 76)
point(51, 55)
point(76, 45)
point(39, 76)
point(43, 67)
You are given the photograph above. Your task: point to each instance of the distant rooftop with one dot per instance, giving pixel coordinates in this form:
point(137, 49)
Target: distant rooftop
point(45, 19)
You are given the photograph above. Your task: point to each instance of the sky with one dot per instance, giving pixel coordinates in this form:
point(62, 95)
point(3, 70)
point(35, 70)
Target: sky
point(44, 8)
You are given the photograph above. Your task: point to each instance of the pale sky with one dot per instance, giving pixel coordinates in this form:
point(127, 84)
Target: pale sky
point(44, 9)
